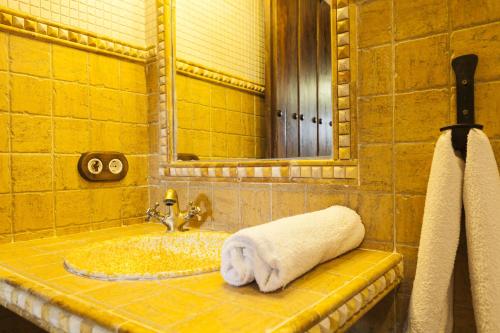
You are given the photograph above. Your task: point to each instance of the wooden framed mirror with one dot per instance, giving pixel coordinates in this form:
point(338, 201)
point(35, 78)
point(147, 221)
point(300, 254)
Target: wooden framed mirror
point(320, 83)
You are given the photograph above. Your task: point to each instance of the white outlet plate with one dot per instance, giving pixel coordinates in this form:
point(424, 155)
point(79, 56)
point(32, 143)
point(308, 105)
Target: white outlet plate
point(115, 166)
point(95, 166)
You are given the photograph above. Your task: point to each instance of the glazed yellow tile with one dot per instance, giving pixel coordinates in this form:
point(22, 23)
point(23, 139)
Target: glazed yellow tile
point(69, 64)
point(39, 90)
point(105, 135)
point(66, 175)
point(136, 201)
point(184, 141)
point(106, 204)
point(134, 138)
point(4, 132)
point(181, 90)
point(247, 146)
point(105, 104)
point(31, 172)
point(132, 77)
point(5, 173)
point(134, 108)
point(29, 56)
point(104, 71)
point(119, 293)
point(366, 255)
point(233, 146)
point(216, 320)
point(218, 96)
point(31, 134)
point(5, 214)
point(4, 92)
point(233, 99)
point(33, 211)
point(247, 103)
point(201, 117)
point(319, 281)
point(201, 143)
point(71, 135)
point(184, 115)
point(4, 51)
point(259, 106)
point(219, 144)
point(71, 99)
point(73, 284)
point(46, 272)
point(198, 91)
point(39, 259)
point(283, 303)
point(247, 124)
point(234, 122)
point(138, 171)
point(161, 313)
point(73, 208)
point(218, 120)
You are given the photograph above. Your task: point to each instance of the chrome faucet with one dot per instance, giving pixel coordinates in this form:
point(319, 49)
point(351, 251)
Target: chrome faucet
point(175, 219)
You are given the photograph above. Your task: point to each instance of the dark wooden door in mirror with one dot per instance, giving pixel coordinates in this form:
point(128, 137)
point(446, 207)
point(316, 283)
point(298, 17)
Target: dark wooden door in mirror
point(302, 86)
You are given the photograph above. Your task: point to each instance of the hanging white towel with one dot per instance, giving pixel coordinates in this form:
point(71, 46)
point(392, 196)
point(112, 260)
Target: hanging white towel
point(450, 182)
point(275, 253)
point(482, 223)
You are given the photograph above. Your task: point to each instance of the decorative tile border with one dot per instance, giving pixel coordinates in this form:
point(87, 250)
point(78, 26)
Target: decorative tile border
point(346, 315)
point(207, 74)
point(324, 170)
point(342, 168)
point(70, 36)
point(343, 82)
point(44, 313)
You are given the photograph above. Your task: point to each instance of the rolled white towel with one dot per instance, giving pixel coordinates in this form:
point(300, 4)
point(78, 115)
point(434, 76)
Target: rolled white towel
point(275, 253)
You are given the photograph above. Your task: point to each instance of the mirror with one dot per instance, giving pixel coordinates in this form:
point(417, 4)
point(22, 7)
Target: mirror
point(253, 79)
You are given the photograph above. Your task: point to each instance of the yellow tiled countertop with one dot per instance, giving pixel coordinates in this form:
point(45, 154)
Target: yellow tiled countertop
point(34, 283)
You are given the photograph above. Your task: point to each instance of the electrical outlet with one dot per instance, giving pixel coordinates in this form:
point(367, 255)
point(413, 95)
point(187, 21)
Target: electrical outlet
point(103, 166)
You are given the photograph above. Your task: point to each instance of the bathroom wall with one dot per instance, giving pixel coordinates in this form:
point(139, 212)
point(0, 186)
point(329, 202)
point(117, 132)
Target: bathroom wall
point(213, 120)
point(216, 121)
point(227, 36)
point(55, 103)
point(124, 20)
point(405, 94)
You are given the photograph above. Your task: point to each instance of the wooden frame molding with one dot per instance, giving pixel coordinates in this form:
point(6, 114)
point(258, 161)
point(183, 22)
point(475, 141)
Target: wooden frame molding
point(342, 168)
point(39, 28)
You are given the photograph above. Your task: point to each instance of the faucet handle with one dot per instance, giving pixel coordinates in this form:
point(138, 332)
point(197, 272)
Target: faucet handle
point(151, 212)
point(194, 210)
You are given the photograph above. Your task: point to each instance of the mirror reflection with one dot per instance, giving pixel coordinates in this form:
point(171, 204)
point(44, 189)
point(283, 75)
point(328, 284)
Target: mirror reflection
point(253, 79)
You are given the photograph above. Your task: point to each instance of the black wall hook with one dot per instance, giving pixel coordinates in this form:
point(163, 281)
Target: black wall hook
point(464, 68)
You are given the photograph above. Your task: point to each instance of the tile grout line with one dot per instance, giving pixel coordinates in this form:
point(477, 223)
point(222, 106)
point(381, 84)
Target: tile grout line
point(53, 141)
point(11, 136)
point(393, 128)
point(393, 150)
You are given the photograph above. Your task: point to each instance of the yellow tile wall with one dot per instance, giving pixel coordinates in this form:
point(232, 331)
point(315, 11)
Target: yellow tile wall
point(55, 103)
point(216, 121)
point(405, 94)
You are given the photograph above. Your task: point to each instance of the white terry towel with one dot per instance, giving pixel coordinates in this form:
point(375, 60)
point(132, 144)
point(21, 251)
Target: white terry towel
point(275, 253)
point(482, 223)
point(478, 185)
